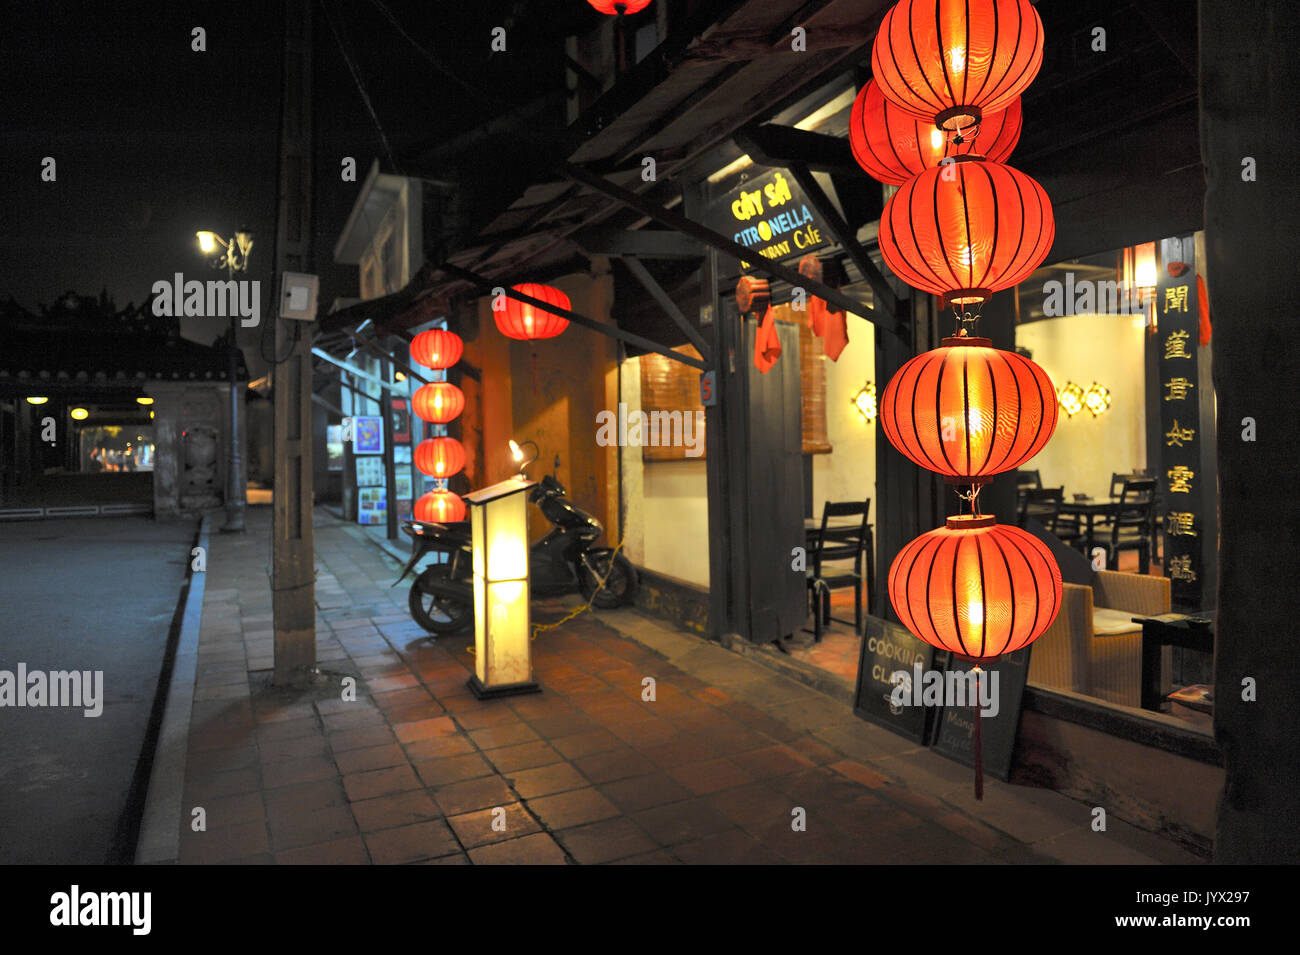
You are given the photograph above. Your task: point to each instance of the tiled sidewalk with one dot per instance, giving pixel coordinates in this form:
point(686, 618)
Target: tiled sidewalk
point(417, 770)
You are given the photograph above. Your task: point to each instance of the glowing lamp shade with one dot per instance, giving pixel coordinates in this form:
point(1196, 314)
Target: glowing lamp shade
point(1096, 399)
point(440, 507)
point(503, 663)
point(968, 410)
point(437, 348)
point(952, 62)
point(440, 457)
point(617, 7)
point(893, 145)
point(1070, 398)
point(966, 230)
point(79, 414)
point(439, 402)
point(525, 322)
point(975, 587)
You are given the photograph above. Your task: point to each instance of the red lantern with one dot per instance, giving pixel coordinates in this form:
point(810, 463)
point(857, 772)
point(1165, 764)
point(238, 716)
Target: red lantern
point(440, 507)
point(437, 348)
point(975, 587)
point(952, 62)
point(968, 410)
point(440, 457)
point(619, 7)
point(966, 229)
point(525, 322)
point(753, 294)
point(893, 145)
point(439, 402)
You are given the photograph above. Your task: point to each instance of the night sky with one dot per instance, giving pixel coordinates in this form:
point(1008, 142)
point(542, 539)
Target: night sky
point(154, 141)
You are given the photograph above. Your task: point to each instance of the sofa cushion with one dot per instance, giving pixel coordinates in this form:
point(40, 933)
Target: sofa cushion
point(1112, 623)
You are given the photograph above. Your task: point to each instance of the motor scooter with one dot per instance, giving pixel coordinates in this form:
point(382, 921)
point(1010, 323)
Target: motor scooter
point(564, 561)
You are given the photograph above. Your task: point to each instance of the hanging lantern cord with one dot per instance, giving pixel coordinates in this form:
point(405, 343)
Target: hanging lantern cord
point(967, 319)
point(979, 749)
point(972, 497)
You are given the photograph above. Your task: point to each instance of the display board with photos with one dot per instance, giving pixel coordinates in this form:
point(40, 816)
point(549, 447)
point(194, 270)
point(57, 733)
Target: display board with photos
point(372, 507)
point(367, 435)
point(370, 471)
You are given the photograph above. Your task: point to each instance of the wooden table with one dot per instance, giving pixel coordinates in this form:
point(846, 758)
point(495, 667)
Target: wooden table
point(1089, 509)
point(1170, 629)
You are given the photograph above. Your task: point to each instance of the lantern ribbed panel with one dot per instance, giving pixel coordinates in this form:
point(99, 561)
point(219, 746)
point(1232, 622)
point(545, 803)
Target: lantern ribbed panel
point(440, 507)
point(524, 322)
point(440, 457)
point(999, 409)
point(967, 229)
point(611, 6)
point(978, 592)
point(436, 348)
point(438, 402)
point(893, 145)
point(932, 56)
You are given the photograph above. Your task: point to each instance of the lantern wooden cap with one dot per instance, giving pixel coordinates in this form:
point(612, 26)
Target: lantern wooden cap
point(970, 522)
point(954, 340)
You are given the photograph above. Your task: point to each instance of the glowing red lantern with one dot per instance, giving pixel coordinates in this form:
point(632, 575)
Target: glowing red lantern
point(619, 7)
point(968, 410)
point(975, 587)
point(439, 402)
point(893, 145)
point(966, 229)
point(954, 61)
point(440, 507)
point(525, 322)
point(437, 348)
point(440, 457)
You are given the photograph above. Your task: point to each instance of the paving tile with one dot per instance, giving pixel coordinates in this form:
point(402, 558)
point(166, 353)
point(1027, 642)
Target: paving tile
point(605, 841)
point(645, 792)
point(365, 737)
point(752, 804)
point(310, 827)
point(546, 780)
point(289, 729)
point(424, 729)
point(219, 845)
point(289, 771)
point(306, 796)
point(523, 756)
point(681, 749)
point(388, 812)
point(434, 746)
point(352, 719)
point(455, 799)
point(505, 734)
point(216, 785)
point(536, 849)
point(483, 717)
point(415, 711)
point(772, 761)
point(709, 776)
point(421, 840)
point(380, 782)
point(730, 847)
point(658, 857)
point(475, 828)
point(208, 761)
point(452, 769)
point(233, 810)
point(587, 743)
point(681, 822)
point(565, 810)
point(614, 765)
point(298, 747)
point(372, 757)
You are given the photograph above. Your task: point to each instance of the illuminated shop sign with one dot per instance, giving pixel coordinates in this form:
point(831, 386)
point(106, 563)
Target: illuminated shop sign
point(770, 215)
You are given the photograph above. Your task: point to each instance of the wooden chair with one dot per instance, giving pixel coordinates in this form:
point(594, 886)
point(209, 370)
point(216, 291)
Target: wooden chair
point(1134, 525)
point(837, 544)
point(1044, 505)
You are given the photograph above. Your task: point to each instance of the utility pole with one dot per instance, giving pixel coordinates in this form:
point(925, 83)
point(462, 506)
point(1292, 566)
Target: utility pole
point(293, 542)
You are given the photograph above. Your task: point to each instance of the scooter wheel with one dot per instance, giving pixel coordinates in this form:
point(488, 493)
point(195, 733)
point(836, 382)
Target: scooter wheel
point(439, 605)
point(620, 579)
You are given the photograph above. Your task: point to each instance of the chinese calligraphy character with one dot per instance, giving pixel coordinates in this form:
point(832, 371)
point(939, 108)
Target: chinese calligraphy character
point(1180, 479)
point(1180, 568)
point(1176, 344)
point(1178, 388)
point(1180, 524)
point(1177, 435)
point(1176, 298)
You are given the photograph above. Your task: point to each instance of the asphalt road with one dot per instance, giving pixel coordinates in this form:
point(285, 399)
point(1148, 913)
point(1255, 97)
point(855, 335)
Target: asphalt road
point(87, 594)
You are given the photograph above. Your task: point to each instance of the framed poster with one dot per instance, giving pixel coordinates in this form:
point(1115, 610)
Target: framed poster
point(403, 486)
point(371, 505)
point(370, 472)
point(401, 422)
point(886, 649)
point(368, 435)
point(401, 453)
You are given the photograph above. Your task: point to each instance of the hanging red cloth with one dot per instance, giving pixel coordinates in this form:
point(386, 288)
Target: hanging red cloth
point(767, 344)
point(835, 333)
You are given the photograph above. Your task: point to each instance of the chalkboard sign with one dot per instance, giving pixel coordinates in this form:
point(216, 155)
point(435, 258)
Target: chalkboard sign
point(887, 648)
point(956, 733)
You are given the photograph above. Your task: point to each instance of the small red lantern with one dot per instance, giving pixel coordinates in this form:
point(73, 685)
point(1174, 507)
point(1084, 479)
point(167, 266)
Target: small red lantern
point(893, 145)
point(440, 457)
point(976, 588)
point(968, 410)
point(966, 229)
point(439, 402)
point(437, 348)
point(953, 62)
point(524, 322)
point(440, 507)
point(753, 294)
point(620, 7)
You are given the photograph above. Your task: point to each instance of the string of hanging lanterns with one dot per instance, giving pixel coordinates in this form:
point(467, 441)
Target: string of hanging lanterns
point(439, 402)
point(943, 113)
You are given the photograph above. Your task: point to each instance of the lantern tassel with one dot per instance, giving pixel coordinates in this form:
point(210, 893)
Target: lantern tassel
point(979, 748)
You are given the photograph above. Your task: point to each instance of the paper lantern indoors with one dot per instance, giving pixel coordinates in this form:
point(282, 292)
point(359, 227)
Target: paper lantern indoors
point(966, 230)
point(440, 457)
point(893, 145)
point(976, 588)
point(525, 322)
point(951, 62)
point(619, 7)
point(437, 348)
point(439, 402)
point(968, 410)
point(441, 507)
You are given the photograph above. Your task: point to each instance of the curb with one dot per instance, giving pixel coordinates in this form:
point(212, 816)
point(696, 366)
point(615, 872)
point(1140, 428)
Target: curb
point(160, 829)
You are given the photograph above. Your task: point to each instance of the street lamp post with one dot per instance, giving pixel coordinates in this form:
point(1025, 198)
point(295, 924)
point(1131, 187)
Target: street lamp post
point(233, 257)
